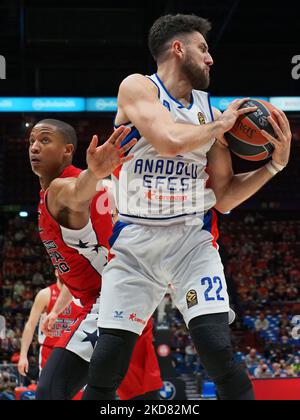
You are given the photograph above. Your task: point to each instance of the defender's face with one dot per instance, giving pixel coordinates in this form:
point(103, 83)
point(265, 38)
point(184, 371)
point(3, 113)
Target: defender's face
point(46, 149)
point(197, 61)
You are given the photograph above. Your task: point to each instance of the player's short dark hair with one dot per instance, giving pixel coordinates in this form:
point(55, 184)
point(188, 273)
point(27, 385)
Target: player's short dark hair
point(67, 131)
point(167, 27)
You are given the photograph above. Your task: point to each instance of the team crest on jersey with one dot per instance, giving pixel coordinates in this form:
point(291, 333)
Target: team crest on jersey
point(192, 299)
point(201, 118)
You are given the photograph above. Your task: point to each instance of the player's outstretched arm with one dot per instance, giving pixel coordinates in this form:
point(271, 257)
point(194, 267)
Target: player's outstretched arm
point(39, 306)
point(75, 194)
point(231, 190)
point(138, 102)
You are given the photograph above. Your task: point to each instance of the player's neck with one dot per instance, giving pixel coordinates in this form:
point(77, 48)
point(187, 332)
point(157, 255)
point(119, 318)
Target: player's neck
point(45, 180)
point(177, 85)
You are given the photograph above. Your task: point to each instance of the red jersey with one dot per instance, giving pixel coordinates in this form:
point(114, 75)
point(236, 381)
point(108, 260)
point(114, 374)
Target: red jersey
point(63, 324)
point(78, 255)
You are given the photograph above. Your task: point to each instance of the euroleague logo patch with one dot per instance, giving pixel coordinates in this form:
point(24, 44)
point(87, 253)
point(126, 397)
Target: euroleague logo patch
point(201, 118)
point(191, 299)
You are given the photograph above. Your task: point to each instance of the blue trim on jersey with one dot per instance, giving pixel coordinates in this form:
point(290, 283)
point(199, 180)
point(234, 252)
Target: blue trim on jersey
point(133, 134)
point(210, 107)
point(207, 222)
point(118, 126)
point(155, 85)
point(172, 97)
point(119, 226)
point(158, 218)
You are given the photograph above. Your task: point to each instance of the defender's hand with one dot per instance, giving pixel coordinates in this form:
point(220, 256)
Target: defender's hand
point(103, 160)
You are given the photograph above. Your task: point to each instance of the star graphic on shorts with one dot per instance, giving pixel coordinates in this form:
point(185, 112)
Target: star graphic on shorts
point(82, 245)
point(91, 337)
point(96, 248)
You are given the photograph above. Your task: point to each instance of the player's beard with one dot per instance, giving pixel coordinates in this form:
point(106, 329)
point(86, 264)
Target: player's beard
point(198, 78)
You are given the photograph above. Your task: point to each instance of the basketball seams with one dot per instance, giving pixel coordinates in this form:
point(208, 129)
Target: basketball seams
point(254, 158)
point(262, 103)
point(239, 143)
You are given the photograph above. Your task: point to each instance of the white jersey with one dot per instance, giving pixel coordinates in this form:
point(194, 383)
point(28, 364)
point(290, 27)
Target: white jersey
point(156, 190)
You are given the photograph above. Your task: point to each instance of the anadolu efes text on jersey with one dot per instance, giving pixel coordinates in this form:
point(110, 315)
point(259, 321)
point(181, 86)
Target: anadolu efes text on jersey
point(155, 190)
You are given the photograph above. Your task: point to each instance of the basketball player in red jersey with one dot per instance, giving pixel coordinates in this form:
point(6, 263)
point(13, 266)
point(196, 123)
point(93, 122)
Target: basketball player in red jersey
point(76, 238)
point(43, 304)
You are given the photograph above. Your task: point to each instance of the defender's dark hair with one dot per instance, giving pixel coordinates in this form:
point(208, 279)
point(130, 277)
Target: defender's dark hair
point(167, 27)
point(67, 131)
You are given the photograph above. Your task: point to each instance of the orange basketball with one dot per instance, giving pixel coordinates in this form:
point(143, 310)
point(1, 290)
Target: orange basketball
point(245, 138)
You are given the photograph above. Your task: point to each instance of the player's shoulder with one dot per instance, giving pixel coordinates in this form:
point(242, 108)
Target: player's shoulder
point(134, 78)
point(57, 186)
point(136, 83)
point(43, 296)
point(58, 183)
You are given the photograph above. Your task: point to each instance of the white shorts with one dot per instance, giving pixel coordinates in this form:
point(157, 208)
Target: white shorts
point(148, 259)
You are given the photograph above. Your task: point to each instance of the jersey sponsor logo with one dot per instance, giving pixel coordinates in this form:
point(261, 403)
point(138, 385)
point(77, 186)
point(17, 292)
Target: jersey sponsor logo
point(192, 299)
point(133, 317)
point(201, 118)
point(156, 196)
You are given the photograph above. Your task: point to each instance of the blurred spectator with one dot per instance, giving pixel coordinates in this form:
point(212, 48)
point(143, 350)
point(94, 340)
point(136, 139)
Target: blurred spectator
point(25, 268)
point(262, 371)
point(252, 359)
point(296, 365)
point(262, 323)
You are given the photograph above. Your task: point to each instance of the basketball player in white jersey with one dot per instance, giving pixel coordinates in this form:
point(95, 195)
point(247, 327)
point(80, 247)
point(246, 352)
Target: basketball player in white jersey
point(166, 232)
